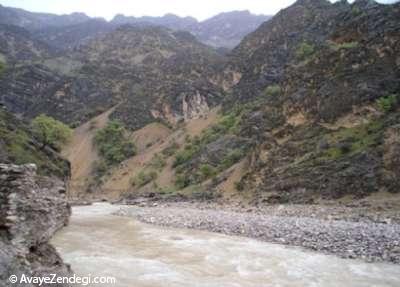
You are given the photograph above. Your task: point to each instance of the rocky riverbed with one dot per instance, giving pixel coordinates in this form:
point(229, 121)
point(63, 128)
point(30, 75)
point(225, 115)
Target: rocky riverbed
point(346, 234)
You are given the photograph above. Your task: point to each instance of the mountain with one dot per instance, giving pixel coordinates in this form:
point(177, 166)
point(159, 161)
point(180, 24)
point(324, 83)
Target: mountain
point(228, 29)
point(67, 31)
point(71, 36)
point(17, 44)
point(154, 71)
point(300, 111)
point(313, 90)
point(223, 30)
point(34, 21)
point(170, 21)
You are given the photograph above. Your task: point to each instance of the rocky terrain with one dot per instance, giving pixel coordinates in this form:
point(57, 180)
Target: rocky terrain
point(32, 209)
point(322, 131)
point(291, 225)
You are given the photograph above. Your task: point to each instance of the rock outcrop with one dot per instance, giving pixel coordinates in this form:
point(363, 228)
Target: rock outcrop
point(32, 209)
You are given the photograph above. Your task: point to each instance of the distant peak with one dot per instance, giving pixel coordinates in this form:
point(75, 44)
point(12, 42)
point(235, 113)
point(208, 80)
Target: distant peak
point(312, 3)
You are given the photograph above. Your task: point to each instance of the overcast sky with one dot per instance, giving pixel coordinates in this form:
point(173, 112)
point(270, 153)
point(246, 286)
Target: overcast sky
point(200, 9)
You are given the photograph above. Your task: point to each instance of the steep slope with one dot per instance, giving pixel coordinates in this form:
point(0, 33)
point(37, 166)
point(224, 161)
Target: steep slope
point(17, 44)
point(314, 89)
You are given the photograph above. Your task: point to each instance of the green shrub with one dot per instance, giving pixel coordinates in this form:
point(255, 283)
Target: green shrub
point(304, 51)
point(387, 104)
point(185, 155)
point(346, 45)
point(143, 178)
point(231, 158)
point(50, 132)
point(239, 186)
point(170, 150)
point(207, 171)
point(157, 162)
point(2, 68)
point(100, 168)
point(112, 143)
point(273, 90)
point(182, 181)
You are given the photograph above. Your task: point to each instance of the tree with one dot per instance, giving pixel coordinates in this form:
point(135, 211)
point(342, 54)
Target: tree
point(50, 132)
point(112, 143)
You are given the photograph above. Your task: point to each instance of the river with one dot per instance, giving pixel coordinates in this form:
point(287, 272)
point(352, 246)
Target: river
point(140, 255)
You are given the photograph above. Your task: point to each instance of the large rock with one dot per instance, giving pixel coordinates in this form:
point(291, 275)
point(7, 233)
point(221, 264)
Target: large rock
point(32, 209)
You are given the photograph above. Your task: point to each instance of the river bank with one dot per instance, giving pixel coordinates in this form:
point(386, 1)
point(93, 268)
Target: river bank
point(341, 231)
point(99, 243)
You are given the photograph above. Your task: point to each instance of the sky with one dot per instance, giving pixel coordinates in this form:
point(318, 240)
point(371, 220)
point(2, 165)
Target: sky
point(200, 9)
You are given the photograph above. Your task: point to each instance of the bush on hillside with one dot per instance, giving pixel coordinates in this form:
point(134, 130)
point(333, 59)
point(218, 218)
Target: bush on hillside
point(304, 51)
point(112, 143)
point(387, 104)
point(50, 132)
point(143, 178)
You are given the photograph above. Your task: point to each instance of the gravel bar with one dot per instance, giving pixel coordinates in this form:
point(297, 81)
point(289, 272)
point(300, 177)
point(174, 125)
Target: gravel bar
point(369, 241)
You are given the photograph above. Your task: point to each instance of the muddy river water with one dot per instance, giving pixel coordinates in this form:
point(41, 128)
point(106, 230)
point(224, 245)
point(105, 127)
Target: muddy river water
point(137, 255)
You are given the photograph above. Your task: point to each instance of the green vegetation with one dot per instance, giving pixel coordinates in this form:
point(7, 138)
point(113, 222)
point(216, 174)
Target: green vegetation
point(355, 11)
point(143, 178)
point(182, 181)
point(304, 51)
point(231, 158)
point(158, 162)
point(100, 168)
point(273, 90)
point(186, 154)
point(347, 141)
point(346, 45)
point(239, 186)
point(18, 146)
point(50, 132)
point(388, 104)
point(2, 67)
point(112, 143)
point(228, 124)
point(207, 171)
point(170, 150)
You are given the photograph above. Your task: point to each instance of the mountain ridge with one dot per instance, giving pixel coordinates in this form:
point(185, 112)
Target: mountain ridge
point(222, 30)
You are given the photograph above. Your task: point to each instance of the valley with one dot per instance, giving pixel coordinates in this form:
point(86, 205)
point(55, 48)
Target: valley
point(281, 130)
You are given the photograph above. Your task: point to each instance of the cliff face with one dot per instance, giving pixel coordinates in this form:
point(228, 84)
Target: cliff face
point(32, 209)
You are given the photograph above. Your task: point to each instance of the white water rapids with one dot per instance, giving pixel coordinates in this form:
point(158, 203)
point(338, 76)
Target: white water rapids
point(137, 255)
